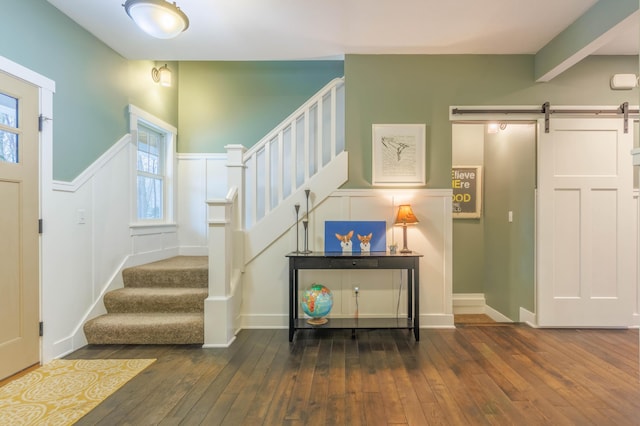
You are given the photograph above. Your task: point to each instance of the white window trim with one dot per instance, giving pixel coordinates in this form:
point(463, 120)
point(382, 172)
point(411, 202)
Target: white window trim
point(139, 227)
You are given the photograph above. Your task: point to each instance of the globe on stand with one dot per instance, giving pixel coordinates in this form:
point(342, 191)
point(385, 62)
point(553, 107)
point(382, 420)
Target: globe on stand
point(317, 302)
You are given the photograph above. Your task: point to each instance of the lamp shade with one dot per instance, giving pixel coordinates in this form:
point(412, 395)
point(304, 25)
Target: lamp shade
point(158, 18)
point(405, 215)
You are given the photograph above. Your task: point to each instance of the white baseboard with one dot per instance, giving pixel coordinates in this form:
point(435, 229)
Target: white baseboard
point(528, 318)
point(265, 321)
point(495, 315)
point(635, 320)
point(219, 345)
point(436, 321)
point(475, 303)
point(279, 321)
point(62, 348)
point(469, 303)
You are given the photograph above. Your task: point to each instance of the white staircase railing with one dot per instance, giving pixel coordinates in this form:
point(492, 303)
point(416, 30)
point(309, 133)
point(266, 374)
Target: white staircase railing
point(291, 154)
point(305, 151)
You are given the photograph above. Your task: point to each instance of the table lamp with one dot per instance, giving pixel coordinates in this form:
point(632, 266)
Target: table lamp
point(405, 217)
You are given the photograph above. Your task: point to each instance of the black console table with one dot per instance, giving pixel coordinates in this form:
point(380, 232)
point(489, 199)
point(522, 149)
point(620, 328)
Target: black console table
point(373, 260)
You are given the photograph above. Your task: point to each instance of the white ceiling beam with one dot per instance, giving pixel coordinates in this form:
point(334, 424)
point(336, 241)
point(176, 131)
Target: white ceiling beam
point(602, 23)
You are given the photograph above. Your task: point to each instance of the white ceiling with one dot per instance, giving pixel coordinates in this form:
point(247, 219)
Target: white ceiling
point(329, 29)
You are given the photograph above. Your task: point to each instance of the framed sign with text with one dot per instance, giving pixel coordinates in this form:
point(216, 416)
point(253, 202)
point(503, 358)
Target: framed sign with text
point(466, 182)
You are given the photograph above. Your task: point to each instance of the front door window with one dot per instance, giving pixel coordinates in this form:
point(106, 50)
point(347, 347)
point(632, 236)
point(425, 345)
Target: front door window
point(8, 129)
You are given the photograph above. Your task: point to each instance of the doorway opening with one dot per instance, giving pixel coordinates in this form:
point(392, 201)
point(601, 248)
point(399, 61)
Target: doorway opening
point(494, 254)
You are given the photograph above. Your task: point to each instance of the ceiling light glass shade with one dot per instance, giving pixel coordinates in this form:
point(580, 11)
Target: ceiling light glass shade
point(157, 18)
point(165, 77)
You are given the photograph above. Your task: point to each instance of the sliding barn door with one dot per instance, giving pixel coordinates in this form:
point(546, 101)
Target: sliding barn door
point(585, 213)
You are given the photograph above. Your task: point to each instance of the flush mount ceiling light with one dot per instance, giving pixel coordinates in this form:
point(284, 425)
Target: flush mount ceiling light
point(158, 18)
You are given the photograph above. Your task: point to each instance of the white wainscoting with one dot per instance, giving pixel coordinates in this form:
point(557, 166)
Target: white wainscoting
point(382, 293)
point(201, 177)
point(81, 261)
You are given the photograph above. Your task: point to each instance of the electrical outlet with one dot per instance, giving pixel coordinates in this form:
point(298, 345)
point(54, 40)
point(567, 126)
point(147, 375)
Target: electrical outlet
point(356, 290)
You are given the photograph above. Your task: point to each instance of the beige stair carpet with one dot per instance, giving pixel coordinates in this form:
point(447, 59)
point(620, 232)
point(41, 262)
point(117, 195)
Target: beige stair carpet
point(161, 303)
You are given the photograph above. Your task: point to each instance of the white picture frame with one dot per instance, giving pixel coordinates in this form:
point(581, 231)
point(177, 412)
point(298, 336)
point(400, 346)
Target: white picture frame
point(398, 154)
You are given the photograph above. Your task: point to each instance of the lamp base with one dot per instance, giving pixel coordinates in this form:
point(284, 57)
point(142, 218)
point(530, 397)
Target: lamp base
point(404, 250)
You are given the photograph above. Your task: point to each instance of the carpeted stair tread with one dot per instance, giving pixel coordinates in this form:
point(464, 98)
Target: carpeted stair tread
point(161, 303)
point(156, 328)
point(151, 299)
point(179, 271)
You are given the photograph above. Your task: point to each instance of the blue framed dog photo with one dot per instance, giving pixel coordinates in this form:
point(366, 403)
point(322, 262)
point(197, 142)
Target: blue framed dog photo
point(355, 236)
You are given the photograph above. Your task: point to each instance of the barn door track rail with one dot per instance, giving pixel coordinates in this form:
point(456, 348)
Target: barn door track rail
point(546, 109)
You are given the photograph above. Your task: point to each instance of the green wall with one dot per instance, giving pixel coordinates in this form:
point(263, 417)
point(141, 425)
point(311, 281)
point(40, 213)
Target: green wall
point(491, 255)
point(224, 103)
point(94, 84)
point(468, 234)
point(421, 88)
point(509, 185)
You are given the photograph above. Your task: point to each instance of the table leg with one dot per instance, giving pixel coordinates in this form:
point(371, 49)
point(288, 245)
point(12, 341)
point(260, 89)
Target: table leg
point(416, 300)
point(293, 278)
point(409, 294)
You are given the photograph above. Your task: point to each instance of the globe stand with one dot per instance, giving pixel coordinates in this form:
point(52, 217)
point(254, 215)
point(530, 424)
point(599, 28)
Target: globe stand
point(317, 321)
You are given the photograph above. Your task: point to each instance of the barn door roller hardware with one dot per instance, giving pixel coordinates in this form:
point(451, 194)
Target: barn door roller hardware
point(546, 109)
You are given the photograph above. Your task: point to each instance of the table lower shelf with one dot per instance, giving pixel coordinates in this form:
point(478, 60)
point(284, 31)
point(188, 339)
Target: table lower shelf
point(361, 323)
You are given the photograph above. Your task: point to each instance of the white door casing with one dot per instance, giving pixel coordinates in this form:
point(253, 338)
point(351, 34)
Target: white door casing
point(585, 264)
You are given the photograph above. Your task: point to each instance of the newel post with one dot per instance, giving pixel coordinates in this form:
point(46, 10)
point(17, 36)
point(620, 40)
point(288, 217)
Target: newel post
point(226, 257)
point(219, 217)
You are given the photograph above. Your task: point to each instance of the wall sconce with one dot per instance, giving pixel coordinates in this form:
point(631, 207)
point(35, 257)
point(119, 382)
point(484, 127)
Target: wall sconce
point(162, 75)
point(158, 18)
point(405, 217)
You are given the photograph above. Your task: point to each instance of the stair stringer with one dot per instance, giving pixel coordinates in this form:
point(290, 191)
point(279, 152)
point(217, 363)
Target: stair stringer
point(282, 218)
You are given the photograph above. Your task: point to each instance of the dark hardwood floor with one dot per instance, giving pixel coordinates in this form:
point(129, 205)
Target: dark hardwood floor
point(473, 375)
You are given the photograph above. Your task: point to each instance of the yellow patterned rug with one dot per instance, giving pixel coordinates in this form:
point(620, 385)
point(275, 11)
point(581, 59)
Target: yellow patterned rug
point(62, 391)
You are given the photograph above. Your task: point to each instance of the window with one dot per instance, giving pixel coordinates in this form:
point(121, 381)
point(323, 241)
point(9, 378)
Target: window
point(154, 143)
point(8, 129)
point(150, 173)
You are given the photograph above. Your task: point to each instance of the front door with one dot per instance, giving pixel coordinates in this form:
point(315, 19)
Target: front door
point(19, 238)
point(585, 213)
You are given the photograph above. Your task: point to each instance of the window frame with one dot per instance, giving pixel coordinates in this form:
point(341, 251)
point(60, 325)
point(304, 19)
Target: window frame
point(168, 222)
